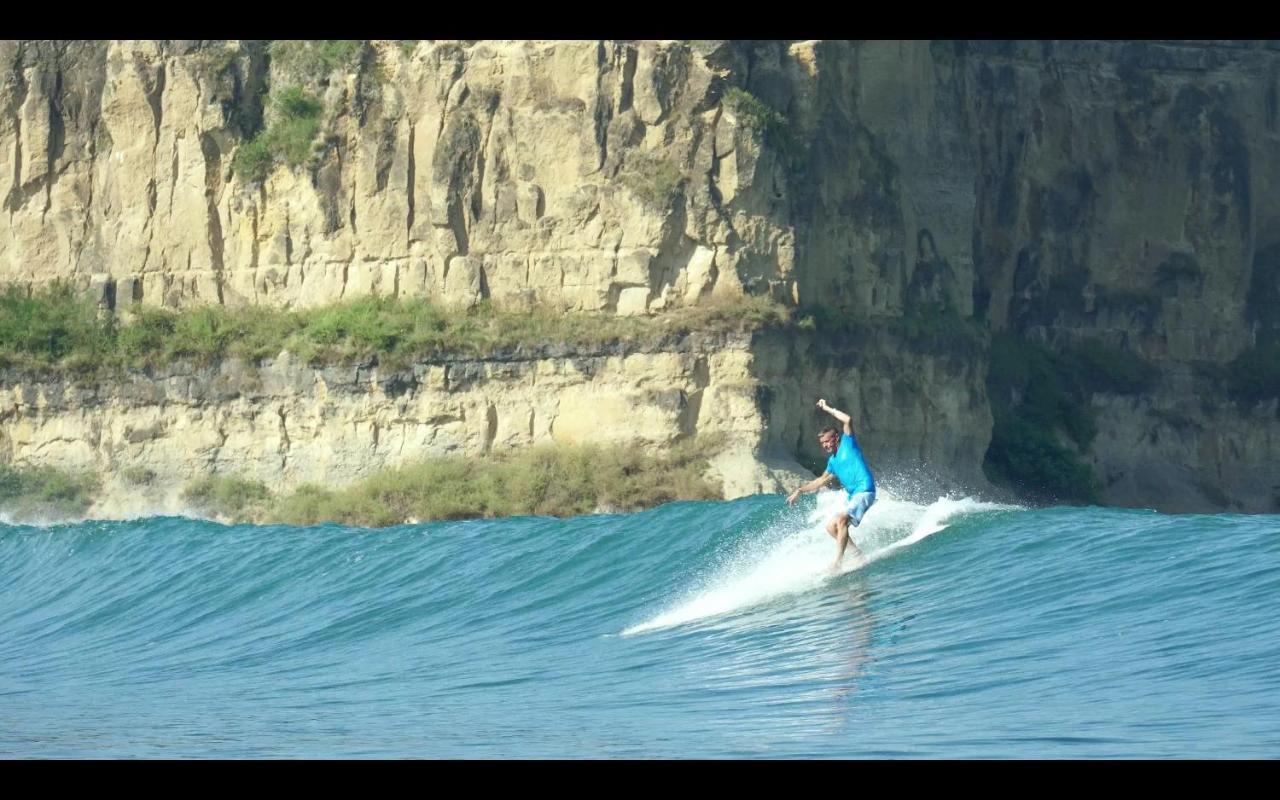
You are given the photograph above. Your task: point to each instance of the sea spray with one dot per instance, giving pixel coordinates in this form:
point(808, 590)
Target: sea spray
point(793, 557)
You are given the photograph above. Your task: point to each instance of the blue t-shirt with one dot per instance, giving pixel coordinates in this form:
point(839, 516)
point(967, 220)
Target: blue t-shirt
point(847, 464)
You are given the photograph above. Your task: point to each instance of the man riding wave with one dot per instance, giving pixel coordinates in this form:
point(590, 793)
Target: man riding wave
point(847, 463)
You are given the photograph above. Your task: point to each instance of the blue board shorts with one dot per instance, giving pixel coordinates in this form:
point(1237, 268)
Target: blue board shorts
point(857, 505)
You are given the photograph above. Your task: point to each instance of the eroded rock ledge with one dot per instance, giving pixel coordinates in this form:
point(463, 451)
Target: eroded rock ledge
point(1056, 192)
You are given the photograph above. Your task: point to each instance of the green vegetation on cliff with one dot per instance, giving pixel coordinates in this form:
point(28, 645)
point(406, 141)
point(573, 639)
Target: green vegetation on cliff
point(1043, 420)
point(1040, 398)
point(655, 179)
point(56, 326)
point(295, 111)
point(289, 138)
point(314, 59)
point(1034, 403)
point(225, 496)
point(755, 114)
point(44, 492)
point(55, 330)
point(552, 480)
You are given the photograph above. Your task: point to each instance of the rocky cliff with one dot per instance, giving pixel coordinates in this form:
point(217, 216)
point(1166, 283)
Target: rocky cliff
point(285, 423)
point(1107, 194)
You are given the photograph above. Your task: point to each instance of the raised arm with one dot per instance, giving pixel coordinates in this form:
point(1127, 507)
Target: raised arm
point(838, 414)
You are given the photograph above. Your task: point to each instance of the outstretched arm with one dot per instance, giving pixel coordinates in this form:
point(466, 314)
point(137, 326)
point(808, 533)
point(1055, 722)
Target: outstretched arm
point(812, 486)
point(838, 414)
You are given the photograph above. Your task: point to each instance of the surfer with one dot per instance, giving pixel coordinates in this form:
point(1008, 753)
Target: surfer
point(846, 463)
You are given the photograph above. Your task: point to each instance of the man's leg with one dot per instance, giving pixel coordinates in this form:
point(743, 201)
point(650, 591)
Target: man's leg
point(856, 511)
point(842, 540)
point(838, 529)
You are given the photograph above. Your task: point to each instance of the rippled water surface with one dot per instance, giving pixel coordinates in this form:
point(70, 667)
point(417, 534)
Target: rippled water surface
point(706, 630)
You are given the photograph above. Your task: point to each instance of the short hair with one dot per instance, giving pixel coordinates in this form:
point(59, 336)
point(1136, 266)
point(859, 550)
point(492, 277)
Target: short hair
point(828, 429)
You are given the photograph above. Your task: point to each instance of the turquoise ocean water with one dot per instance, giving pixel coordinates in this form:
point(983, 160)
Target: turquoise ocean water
point(694, 630)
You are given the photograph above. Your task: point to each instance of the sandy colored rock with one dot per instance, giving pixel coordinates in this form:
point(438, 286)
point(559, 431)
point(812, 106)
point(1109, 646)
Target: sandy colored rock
point(1061, 191)
point(286, 423)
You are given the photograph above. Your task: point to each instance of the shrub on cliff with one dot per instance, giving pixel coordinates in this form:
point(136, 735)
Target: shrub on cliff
point(1030, 458)
point(55, 326)
point(1035, 396)
point(397, 331)
point(226, 496)
point(551, 480)
point(253, 159)
point(759, 117)
point(289, 139)
point(45, 492)
point(56, 329)
point(205, 335)
point(654, 178)
point(314, 59)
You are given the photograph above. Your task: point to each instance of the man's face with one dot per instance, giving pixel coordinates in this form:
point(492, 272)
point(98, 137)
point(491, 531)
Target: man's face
point(829, 442)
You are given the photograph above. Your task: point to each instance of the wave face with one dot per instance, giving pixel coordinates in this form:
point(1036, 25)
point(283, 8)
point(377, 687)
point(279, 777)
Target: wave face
point(706, 630)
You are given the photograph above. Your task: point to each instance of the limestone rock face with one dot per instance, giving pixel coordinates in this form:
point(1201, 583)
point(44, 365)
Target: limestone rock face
point(1180, 457)
point(1127, 180)
point(1057, 191)
point(1124, 198)
point(594, 176)
point(920, 414)
point(570, 174)
point(285, 423)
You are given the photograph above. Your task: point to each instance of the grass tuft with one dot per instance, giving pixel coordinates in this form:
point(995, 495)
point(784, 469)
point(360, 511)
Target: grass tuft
point(45, 492)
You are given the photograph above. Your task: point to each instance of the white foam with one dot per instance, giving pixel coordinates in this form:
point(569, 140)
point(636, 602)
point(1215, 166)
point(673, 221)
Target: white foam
point(37, 521)
point(110, 512)
point(797, 560)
